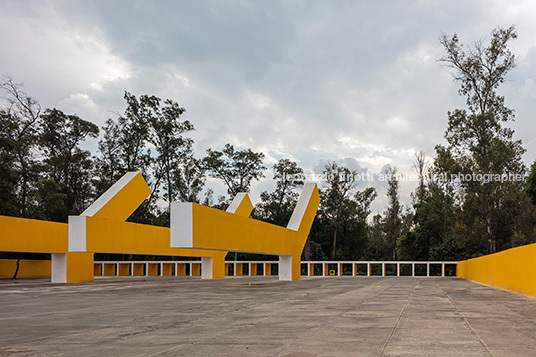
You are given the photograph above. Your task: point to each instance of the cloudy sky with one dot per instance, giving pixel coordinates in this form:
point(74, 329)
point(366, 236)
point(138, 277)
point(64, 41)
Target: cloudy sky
point(314, 81)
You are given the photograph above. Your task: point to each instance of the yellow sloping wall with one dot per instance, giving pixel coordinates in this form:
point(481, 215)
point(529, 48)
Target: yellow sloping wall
point(513, 269)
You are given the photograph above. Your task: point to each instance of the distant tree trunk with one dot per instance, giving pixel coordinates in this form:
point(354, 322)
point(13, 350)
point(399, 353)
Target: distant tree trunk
point(334, 249)
point(492, 246)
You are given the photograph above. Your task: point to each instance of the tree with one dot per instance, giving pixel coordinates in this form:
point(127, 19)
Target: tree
point(173, 173)
point(432, 237)
point(19, 125)
point(479, 146)
point(124, 145)
point(189, 180)
point(134, 134)
point(171, 146)
point(341, 227)
point(531, 184)
point(52, 203)
point(340, 182)
point(65, 162)
point(9, 177)
point(378, 247)
point(276, 207)
point(420, 166)
point(236, 168)
point(109, 166)
point(392, 222)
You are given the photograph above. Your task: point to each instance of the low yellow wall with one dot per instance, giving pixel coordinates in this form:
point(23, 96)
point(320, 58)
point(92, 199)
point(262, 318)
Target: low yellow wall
point(27, 268)
point(513, 269)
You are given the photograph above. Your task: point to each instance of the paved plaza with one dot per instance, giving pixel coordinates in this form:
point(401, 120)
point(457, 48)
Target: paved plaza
point(346, 316)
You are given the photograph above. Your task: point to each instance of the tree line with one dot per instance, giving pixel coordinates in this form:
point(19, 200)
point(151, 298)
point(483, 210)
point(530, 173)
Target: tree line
point(46, 174)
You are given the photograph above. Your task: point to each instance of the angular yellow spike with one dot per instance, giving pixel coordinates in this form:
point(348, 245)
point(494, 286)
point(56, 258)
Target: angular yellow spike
point(241, 205)
point(122, 199)
point(201, 227)
point(102, 227)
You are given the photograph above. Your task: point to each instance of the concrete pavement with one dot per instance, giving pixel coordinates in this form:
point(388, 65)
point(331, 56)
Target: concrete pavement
point(346, 316)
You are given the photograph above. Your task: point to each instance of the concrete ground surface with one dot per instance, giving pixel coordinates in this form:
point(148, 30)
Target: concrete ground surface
point(346, 316)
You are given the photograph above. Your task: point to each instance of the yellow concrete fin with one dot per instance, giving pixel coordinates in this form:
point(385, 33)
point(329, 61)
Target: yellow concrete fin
point(120, 200)
point(200, 227)
point(304, 213)
point(241, 205)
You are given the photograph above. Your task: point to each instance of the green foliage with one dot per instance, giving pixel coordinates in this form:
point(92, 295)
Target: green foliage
point(65, 163)
point(432, 232)
point(109, 167)
point(276, 207)
point(18, 138)
point(392, 223)
point(51, 201)
point(531, 184)
point(377, 249)
point(236, 168)
point(134, 134)
point(171, 147)
point(172, 172)
point(340, 230)
point(479, 144)
point(189, 179)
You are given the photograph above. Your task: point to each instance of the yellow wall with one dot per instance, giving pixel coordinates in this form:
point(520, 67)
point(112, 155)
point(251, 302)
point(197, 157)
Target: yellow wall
point(79, 267)
point(513, 269)
point(134, 238)
point(27, 268)
point(32, 235)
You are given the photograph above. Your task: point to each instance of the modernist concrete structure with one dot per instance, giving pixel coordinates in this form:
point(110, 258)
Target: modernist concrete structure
point(201, 227)
point(102, 228)
point(199, 231)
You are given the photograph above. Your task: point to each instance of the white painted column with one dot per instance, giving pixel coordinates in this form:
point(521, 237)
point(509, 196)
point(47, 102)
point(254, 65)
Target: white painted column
point(206, 267)
point(368, 269)
point(285, 267)
point(412, 269)
point(383, 269)
point(397, 269)
point(427, 269)
point(59, 268)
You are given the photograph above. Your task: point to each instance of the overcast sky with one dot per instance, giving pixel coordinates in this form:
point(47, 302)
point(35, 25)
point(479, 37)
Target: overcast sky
point(313, 81)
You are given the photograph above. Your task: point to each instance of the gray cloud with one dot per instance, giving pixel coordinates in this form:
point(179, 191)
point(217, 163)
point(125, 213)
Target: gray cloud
point(312, 81)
